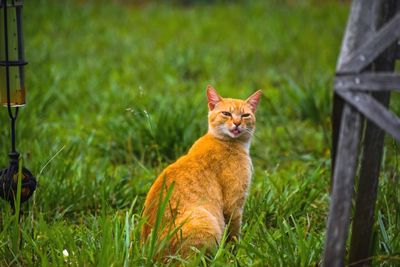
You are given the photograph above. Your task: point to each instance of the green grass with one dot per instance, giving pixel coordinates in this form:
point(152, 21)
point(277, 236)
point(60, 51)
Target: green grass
point(116, 91)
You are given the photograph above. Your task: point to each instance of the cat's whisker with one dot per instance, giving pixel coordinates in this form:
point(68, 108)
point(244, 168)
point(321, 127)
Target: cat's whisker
point(251, 131)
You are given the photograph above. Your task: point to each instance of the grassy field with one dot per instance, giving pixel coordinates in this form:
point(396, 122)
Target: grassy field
point(116, 91)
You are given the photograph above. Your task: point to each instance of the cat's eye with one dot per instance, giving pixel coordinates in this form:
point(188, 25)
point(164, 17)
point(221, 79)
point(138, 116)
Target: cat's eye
point(246, 115)
point(226, 113)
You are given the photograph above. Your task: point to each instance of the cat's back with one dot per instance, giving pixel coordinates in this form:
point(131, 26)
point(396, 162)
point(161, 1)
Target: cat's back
point(206, 161)
point(199, 157)
point(193, 177)
point(197, 168)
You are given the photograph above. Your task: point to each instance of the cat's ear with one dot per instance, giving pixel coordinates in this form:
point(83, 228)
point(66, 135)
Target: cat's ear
point(213, 97)
point(253, 100)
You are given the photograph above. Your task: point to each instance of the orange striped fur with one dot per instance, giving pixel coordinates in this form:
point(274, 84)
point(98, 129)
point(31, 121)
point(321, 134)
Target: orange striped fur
point(210, 182)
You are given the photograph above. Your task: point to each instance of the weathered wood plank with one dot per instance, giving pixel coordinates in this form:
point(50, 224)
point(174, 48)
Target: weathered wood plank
point(358, 28)
point(337, 110)
point(398, 50)
point(368, 81)
point(375, 45)
point(361, 239)
point(363, 221)
point(343, 184)
point(344, 151)
point(374, 111)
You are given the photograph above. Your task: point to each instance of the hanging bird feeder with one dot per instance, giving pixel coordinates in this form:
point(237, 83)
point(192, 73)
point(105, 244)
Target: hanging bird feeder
point(12, 96)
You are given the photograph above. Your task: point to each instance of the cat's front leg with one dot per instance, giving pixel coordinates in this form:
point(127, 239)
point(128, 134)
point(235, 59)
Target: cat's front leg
point(234, 221)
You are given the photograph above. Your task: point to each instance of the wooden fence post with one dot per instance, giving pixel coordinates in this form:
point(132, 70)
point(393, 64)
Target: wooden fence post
point(361, 87)
point(361, 239)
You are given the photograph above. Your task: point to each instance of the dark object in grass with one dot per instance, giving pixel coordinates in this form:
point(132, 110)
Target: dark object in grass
point(9, 181)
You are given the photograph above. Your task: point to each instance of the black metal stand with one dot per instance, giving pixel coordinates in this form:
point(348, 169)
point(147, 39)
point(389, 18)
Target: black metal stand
point(9, 181)
point(9, 176)
point(363, 83)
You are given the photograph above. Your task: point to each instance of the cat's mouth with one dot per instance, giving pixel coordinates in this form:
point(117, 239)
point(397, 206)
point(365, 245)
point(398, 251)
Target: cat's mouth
point(235, 131)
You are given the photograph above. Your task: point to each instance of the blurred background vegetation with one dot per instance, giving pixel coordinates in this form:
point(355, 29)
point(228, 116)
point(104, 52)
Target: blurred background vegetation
point(116, 91)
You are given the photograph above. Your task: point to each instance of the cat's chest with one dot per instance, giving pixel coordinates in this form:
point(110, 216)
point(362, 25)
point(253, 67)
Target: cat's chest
point(235, 181)
point(237, 173)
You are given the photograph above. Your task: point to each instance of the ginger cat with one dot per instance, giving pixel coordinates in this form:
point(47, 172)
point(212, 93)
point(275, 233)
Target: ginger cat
point(210, 183)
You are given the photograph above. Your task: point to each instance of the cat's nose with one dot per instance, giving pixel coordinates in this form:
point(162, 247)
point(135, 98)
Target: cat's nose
point(237, 123)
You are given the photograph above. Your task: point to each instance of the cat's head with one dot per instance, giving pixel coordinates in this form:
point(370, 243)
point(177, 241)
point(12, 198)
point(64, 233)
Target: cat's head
point(229, 118)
